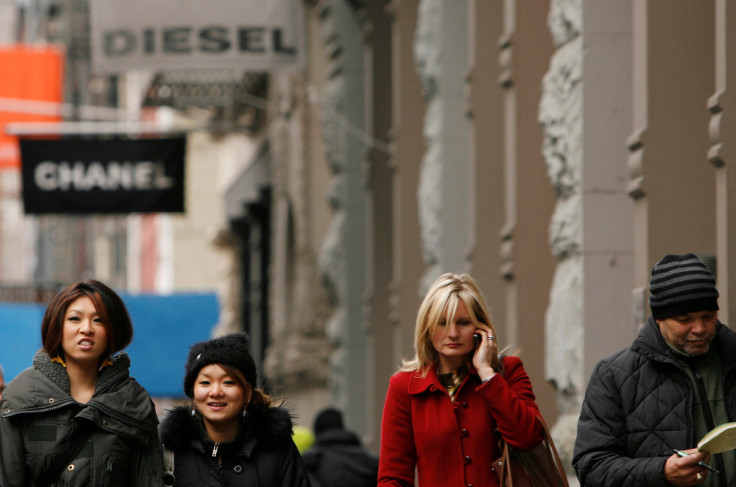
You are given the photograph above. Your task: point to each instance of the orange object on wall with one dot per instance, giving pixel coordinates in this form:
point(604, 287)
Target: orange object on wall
point(28, 74)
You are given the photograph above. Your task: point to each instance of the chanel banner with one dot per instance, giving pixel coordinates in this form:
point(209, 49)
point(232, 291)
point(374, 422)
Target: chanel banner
point(103, 176)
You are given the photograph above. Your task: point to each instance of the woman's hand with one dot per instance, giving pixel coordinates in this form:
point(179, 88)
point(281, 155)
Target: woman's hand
point(484, 354)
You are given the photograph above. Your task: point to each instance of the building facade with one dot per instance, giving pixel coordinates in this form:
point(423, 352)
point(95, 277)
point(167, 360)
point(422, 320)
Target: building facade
point(554, 150)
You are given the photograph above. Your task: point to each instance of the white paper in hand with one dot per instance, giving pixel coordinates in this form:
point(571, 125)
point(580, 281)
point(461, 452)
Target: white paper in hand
point(719, 439)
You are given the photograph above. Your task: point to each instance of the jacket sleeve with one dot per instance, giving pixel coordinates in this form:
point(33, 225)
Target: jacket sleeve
point(398, 457)
point(295, 475)
point(600, 456)
point(147, 464)
point(12, 454)
point(512, 402)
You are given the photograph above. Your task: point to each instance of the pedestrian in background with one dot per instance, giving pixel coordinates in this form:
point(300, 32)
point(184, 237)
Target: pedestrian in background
point(443, 406)
point(337, 457)
point(76, 417)
point(674, 383)
point(232, 435)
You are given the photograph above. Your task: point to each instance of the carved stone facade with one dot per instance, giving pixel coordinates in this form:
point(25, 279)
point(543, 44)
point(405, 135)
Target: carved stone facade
point(505, 139)
point(561, 116)
point(342, 260)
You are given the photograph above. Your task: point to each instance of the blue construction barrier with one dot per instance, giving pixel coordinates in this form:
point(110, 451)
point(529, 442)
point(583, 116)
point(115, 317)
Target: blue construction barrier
point(164, 328)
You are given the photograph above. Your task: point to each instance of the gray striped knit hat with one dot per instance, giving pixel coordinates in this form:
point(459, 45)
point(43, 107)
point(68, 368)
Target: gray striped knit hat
point(681, 284)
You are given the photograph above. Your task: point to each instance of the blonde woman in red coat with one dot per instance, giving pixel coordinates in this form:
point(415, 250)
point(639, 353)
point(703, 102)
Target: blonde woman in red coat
point(443, 406)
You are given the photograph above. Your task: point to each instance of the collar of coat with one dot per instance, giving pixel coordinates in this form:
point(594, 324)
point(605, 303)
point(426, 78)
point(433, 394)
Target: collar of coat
point(651, 343)
point(431, 382)
point(119, 404)
point(271, 426)
point(116, 369)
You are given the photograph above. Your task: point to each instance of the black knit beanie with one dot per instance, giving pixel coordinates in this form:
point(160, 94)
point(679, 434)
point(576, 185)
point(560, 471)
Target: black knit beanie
point(681, 284)
point(233, 349)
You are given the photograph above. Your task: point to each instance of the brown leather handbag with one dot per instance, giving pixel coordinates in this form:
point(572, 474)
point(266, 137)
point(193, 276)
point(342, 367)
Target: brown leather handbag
point(538, 467)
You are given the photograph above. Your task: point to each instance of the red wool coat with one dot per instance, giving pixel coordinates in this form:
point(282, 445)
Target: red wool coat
point(452, 444)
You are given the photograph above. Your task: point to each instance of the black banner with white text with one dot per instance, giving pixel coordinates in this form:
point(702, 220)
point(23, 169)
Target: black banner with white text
point(103, 175)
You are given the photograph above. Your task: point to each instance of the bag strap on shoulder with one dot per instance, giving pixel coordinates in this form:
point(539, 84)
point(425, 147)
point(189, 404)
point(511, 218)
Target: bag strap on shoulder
point(169, 478)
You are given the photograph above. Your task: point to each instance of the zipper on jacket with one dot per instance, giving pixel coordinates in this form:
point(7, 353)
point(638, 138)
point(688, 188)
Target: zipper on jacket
point(214, 450)
point(709, 421)
point(7, 413)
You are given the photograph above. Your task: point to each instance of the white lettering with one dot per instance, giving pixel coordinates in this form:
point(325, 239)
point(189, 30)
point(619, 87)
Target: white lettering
point(162, 181)
point(96, 176)
point(129, 176)
point(45, 176)
point(120, 175)
point(143, 175)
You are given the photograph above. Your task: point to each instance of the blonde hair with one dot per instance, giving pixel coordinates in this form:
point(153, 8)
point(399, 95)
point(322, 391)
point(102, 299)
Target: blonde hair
point(443, 296)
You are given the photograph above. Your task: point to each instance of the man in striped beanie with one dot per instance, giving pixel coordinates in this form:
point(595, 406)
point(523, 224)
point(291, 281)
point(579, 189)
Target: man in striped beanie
point(676, 382)
point(682, 292)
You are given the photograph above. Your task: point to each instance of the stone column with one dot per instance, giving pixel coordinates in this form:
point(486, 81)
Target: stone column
point(723, 138)
point(485, 110)
point(561, 116)
point(343, 255)
point(444, 181)
point(527, 266)
point(669, 175)
point(298, 360)
point(406, 156)
point(379, 100)
point(590, 231)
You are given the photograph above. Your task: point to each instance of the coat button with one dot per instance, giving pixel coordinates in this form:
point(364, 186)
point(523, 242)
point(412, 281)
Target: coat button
point(467, 460)
point(470, 485)
point(465, 405)
point(51, 400)
point(237, 469)
point(70, 467)
point(463, 433)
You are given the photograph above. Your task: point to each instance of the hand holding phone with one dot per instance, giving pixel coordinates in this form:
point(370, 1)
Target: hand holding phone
point(484, 356)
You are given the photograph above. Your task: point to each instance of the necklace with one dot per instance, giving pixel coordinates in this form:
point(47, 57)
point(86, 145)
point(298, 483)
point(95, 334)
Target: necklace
point(451, 381)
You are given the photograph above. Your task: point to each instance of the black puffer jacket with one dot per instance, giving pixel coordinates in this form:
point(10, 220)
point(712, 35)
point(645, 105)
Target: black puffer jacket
point(638, 406)
point(38, 414)
point(262, 455)
point(338, 459)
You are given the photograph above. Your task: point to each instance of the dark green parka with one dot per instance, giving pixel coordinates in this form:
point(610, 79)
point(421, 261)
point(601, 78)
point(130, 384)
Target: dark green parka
point(37, 414)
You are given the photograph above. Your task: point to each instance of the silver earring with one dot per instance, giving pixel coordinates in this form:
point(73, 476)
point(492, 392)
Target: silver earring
point(194, 410)
point(245, 412)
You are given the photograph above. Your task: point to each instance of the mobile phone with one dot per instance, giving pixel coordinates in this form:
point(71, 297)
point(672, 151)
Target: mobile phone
point(476, 339)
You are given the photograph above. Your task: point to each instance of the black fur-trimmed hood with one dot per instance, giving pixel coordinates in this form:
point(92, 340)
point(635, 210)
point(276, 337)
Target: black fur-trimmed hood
point(272, 426)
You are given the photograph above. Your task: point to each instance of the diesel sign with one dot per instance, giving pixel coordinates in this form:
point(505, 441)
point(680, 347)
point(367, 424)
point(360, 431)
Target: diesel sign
point(185, 40)
point(166, 35)
point(103, 176)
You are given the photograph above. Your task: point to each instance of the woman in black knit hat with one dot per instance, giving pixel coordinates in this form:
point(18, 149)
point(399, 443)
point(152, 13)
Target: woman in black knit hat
point(233, 434)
